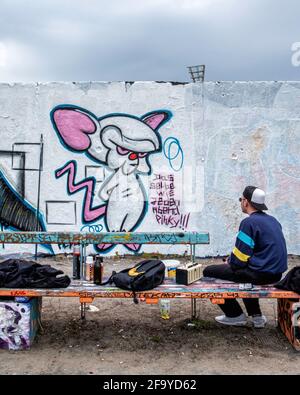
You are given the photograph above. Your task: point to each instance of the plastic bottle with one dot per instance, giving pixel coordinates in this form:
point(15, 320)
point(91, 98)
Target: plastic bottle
point(98, 270)
point(76, 262)
point(89, 264)
point(164, 307)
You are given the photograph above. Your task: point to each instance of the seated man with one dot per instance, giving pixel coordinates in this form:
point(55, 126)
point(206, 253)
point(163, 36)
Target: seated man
point(259, 257)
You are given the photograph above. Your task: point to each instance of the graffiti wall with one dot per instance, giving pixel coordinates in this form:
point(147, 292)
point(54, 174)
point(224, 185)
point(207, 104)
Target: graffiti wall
point(148, 156)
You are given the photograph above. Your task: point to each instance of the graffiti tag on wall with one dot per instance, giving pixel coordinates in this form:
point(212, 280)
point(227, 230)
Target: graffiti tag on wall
point(16, 213)
point(164, 205)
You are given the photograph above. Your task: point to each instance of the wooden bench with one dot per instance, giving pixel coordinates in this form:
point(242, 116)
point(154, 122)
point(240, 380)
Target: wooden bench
point(217, 291)
point(82, 289)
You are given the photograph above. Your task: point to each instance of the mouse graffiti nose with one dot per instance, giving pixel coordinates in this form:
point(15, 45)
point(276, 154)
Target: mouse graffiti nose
point(133, 156)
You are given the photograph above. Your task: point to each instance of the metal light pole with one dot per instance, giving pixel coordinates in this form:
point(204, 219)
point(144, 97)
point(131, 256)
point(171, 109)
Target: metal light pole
point(197, 72)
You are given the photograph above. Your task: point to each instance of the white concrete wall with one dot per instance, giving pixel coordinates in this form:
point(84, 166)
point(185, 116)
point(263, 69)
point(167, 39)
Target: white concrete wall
point(222, 136)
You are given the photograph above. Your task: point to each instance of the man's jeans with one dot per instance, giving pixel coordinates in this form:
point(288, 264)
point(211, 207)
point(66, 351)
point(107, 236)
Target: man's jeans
point(231, 308)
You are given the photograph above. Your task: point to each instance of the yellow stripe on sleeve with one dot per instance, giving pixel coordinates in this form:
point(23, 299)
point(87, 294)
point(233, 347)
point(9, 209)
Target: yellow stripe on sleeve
point(242, 257)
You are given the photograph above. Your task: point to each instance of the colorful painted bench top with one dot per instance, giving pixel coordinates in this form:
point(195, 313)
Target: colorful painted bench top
point(210, 289)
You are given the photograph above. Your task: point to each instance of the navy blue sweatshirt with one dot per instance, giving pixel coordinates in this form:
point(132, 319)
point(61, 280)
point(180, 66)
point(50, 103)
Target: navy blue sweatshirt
point(260, 244)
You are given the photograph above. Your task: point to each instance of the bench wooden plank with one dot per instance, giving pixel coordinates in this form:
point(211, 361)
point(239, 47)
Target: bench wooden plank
point(169, 289)
point(104, 238)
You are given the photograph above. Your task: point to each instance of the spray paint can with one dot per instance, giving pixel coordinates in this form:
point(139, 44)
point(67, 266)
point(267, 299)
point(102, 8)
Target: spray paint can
point(89, 265)
point(98, 270)
point(76, 262)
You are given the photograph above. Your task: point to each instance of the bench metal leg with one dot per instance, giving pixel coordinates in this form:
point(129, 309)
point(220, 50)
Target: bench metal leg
point(289, 320)
point(82, 310)
point(194, 308)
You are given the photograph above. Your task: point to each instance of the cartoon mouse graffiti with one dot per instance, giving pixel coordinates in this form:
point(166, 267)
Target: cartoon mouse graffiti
point(123, 144)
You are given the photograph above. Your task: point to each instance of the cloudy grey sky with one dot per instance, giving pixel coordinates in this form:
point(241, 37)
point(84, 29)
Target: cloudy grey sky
point(83, 40)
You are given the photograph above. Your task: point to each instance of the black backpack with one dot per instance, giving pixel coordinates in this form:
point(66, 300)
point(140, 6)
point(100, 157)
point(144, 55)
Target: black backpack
point(143, 276)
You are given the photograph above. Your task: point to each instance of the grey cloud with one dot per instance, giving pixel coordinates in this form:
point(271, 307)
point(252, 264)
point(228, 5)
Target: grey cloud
point(114, 40)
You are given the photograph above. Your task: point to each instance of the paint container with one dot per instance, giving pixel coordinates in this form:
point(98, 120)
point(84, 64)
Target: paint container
point(164, 308)
point(76, 262)
point(245, 286)
point(98, 270)
point(19, 323)
point(89, 266)
point(171, 265)
point(22, 299)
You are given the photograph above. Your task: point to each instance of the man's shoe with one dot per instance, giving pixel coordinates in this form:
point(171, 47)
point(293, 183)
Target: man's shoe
point(241, 320)
point(259, 321)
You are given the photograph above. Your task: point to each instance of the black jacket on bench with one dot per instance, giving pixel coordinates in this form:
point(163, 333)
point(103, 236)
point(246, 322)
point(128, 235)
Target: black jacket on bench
point(291, 281)
point(19, 273)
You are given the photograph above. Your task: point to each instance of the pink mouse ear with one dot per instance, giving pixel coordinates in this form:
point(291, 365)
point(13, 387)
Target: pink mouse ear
point(73, 126)
point(156, 119)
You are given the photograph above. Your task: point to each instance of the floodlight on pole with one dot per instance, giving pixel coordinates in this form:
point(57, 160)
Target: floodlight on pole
point(197, 72)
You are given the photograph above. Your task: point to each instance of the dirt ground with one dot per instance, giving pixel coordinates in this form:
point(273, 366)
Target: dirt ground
point(123, 338)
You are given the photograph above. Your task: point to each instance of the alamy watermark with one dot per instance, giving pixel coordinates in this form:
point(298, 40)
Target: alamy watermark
point(295, 59)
